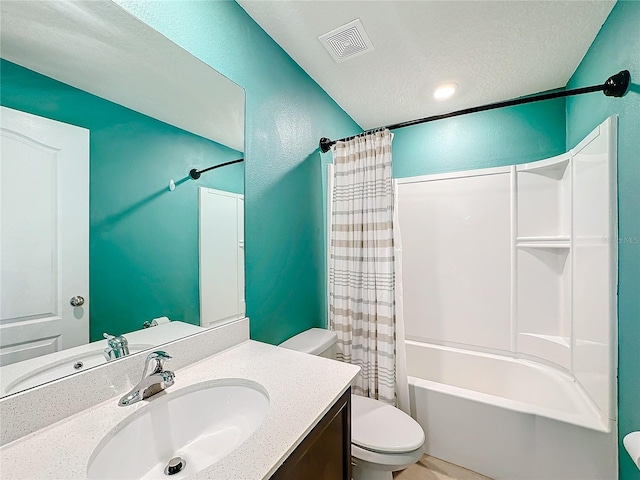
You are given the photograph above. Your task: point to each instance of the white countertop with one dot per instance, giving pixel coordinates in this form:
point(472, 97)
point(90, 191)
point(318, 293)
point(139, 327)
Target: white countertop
point(301, 390)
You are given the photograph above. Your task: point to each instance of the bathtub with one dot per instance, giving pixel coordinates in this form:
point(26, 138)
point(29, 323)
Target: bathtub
point(508, 418)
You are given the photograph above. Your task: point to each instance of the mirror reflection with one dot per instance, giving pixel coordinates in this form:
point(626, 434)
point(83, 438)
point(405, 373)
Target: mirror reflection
point(101, 224)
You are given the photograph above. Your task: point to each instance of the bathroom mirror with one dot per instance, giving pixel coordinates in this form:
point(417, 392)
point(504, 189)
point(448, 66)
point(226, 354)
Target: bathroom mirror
point(150, 113)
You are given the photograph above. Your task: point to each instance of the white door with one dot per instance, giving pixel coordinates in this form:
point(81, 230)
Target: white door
point(44, 235)
point(221, 257)
point(242, 304)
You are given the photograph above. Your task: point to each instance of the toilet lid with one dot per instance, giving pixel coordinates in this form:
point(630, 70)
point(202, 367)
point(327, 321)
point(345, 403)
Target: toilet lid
point(382, 428)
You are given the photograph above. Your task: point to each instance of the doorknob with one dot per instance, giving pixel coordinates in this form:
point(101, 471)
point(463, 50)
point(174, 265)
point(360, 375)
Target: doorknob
point(77, 301)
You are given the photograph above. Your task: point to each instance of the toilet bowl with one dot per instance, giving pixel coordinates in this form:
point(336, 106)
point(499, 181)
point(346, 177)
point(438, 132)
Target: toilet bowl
point(384, 439)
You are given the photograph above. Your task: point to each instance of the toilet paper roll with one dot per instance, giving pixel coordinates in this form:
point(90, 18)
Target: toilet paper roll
point(632, 444)
point(160, 321)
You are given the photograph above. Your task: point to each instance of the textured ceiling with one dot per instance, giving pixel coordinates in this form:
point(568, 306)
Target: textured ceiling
point(100, 48)
point(495, 50)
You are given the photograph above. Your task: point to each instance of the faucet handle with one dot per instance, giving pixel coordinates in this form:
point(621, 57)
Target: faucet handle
point(159, 357)
point(163, 356)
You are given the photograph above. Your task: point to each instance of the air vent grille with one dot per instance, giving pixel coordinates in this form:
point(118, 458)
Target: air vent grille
point(347, 41)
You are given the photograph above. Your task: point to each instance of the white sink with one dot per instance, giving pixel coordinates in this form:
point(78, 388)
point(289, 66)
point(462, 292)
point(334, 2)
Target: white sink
point(73, 363)
point(201, 424)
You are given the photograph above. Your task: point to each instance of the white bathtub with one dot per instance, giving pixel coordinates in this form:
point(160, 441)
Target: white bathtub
point(508, 418)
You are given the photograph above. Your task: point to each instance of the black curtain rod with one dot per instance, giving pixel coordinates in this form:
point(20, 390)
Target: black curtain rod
point(195, 174)
point(615, 86)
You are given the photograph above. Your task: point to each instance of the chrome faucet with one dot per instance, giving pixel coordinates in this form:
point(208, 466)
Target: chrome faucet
point(117, 347)
point(154, 382)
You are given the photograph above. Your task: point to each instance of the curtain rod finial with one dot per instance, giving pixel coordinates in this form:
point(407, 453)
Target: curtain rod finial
point(325, 144)
point(617, 85)
point(194, 173)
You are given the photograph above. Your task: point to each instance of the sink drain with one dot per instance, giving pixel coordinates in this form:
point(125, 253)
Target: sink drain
point(175, 465)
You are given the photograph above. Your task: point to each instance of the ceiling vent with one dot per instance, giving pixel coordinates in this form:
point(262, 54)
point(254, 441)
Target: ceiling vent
point(347, 41)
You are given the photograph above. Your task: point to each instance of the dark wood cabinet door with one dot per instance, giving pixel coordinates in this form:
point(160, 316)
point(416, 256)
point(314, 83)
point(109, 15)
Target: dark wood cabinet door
point(325, 454)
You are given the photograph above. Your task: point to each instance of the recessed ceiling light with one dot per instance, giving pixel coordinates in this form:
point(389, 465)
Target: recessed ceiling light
point(445, 91)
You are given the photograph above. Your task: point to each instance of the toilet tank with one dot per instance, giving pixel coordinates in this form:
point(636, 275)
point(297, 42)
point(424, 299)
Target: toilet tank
point(316, 341)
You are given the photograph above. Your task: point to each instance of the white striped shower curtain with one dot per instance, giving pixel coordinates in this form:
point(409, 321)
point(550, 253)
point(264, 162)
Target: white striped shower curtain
point(361, 263)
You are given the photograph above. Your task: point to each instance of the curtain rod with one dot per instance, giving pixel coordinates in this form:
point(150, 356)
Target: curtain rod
point(195, 173)
point(615, 86)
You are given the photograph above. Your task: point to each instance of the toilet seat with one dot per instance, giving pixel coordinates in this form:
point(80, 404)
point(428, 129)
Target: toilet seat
point(384, 461)
point(381, 428)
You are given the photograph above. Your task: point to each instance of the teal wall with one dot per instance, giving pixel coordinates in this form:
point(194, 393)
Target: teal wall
point(143, 252)
point(520, 134)
point(617, 47)
point(286, 114)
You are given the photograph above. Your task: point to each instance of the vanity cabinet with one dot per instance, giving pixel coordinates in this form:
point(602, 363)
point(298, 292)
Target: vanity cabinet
point(325, 453)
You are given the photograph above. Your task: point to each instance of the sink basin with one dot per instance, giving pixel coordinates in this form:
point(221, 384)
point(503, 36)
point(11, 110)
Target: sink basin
point(73, 363)
point(201, 424)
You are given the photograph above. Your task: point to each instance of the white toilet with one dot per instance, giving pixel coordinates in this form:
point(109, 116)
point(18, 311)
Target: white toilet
point(383, 438)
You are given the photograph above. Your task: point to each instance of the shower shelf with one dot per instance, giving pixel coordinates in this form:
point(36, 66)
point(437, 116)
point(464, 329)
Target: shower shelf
point(543, 266)
point(558, 241)
point(553, 348)
point(556, 238)
point(554, 166)
point(563, 245)
point(544, 200)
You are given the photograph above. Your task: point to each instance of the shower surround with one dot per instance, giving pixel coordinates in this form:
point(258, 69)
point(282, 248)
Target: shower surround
point(509, 280)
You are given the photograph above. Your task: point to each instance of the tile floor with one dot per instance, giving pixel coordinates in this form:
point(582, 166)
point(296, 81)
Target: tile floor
point(432, 468)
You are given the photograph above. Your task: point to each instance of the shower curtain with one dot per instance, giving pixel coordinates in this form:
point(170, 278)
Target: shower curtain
point(362, 308)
